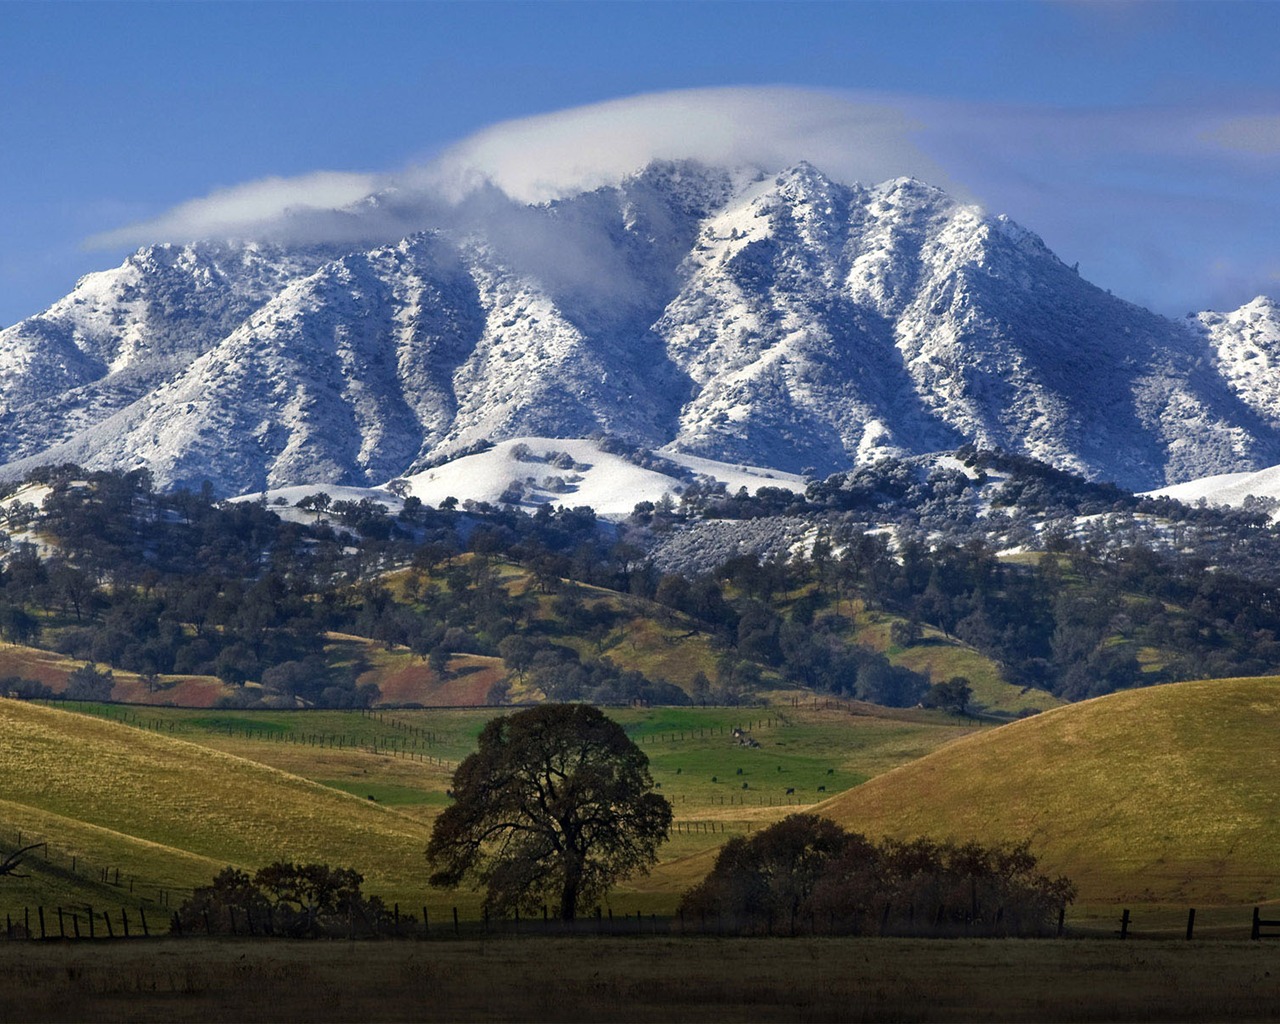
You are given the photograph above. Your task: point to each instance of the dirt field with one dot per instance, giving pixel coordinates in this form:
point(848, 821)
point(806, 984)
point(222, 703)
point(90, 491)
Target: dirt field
point(640, 979)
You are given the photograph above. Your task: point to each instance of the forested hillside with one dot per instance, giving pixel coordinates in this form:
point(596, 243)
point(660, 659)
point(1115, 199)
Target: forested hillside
point(980, 580)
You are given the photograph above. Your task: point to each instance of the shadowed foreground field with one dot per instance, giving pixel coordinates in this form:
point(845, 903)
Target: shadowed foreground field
point(654, 979)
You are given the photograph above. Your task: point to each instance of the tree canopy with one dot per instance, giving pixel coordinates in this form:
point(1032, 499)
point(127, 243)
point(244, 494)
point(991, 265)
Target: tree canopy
point(808, 868)
point(555, 806)
point(286, 899)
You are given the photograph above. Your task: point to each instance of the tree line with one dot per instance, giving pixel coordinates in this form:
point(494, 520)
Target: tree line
point(163, 584)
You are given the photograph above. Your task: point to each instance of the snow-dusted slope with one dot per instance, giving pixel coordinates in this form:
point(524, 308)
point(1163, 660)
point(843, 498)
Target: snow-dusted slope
point(825, 324)
point(123, 332)
point(788, 321)
point(532, 471)
point(335, 380)
point(1232, 489)
point(1247, 346)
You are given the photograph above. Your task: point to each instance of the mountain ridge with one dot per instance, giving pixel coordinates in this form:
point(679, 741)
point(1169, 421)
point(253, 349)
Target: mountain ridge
point(788, 321)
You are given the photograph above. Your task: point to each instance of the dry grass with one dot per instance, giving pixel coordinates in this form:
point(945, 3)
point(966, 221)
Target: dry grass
point(52, 669)
point(175, 808)
point(1160, 795)
point(639, 979)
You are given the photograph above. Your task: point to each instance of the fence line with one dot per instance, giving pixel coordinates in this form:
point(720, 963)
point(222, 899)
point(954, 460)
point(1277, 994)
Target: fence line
point(141, 890)
point(85, 922)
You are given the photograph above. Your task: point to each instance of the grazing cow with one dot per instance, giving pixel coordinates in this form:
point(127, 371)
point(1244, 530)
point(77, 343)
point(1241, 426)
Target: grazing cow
point(822, 789)
point(746, 785)
point(791, 790)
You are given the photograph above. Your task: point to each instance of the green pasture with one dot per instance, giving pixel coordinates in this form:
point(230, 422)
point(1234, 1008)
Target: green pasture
point(702, 768)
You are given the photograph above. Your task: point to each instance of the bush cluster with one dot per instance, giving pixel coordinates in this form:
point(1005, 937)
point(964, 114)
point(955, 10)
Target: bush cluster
point(807, 873)
point(299, 900)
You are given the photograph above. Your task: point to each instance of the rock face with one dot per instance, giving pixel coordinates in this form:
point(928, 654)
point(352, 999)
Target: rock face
point(788, 321)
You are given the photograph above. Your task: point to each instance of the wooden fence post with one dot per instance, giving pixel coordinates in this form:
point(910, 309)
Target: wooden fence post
point(1124, 925)
point(1256, 933)
point(1191, 922)
point(146, 934)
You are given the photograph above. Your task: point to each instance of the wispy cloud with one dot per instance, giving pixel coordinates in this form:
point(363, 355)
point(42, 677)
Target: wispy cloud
point(1154, 202)
point(245, 211)
point(864, 138)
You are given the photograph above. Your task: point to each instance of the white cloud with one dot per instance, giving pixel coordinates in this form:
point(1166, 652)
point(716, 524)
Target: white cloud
point(245, 211)
point(1148, 200)
point(540, 158)
point(851, 137)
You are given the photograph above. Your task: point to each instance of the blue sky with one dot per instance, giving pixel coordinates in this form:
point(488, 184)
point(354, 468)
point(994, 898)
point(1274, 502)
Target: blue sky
point(1141, 139)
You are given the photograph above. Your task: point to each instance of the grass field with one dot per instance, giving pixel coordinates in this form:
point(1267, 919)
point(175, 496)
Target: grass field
point(166, 813)
point(168, 796)
point(653, 978)
point(1162, 795)
point(1158, 799)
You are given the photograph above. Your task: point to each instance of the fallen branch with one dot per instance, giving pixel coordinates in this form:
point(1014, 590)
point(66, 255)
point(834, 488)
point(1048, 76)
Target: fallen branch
point(10, 865)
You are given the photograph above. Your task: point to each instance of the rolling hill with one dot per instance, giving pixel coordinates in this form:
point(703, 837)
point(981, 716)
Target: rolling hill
point(1161, 795)
point(173, 813)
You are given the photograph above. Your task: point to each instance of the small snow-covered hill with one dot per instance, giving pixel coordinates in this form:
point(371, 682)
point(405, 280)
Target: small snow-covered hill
point(1232, 489)
point(532, 471)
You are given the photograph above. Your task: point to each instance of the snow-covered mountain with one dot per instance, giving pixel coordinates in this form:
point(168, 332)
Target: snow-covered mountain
point(786, 321)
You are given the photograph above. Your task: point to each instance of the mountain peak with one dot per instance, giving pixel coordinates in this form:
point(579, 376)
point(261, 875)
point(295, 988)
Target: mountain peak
point(785, 320)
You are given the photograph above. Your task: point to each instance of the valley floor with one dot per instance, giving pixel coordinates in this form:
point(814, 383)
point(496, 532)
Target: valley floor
point(640, 979)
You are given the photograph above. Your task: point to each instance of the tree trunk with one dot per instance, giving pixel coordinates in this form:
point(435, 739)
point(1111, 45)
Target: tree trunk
point(569, 894)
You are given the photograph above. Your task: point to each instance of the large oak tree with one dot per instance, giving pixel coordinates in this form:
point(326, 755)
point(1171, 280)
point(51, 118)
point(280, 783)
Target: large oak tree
point(555, 806)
